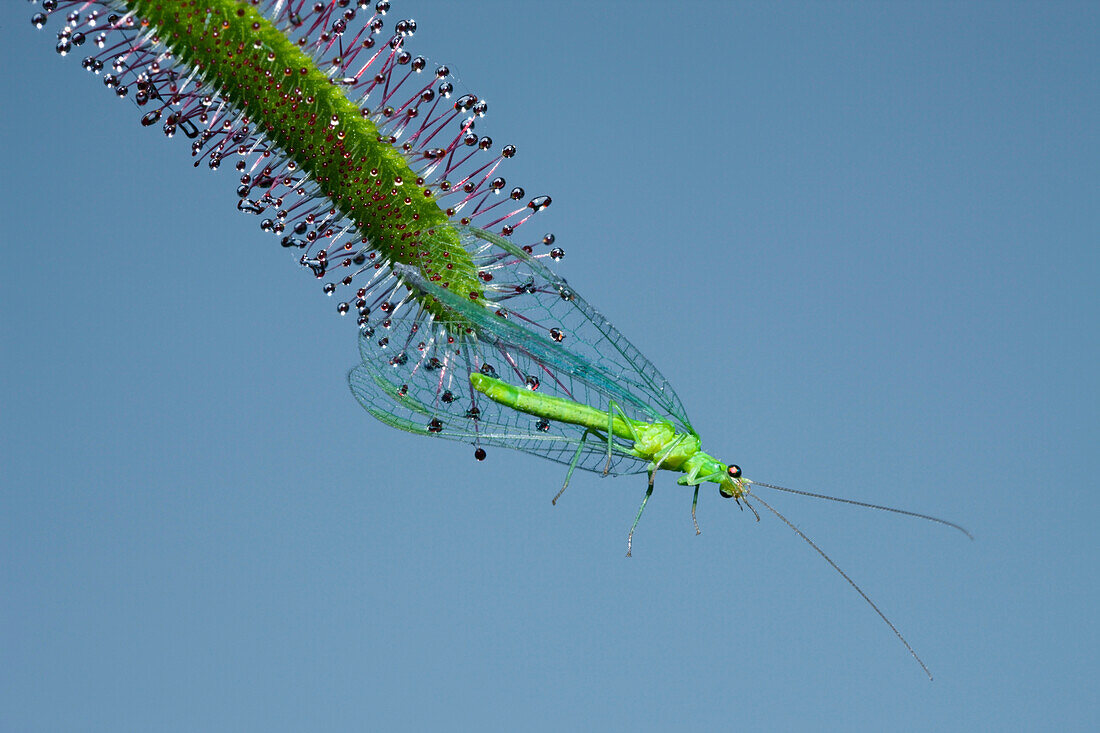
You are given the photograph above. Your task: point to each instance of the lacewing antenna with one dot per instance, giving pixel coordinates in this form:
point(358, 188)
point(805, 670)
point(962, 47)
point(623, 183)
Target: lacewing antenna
point(906, 512)
point(851, 582)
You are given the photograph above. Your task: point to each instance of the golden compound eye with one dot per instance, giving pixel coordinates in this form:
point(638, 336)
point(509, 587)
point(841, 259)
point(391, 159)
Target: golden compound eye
point(734, 471)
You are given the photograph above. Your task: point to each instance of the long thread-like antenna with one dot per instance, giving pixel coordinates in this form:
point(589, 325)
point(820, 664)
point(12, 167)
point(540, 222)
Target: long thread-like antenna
point(851, 582)
point(865, 504)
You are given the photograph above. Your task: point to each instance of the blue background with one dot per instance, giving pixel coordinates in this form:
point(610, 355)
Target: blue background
point(861, 239)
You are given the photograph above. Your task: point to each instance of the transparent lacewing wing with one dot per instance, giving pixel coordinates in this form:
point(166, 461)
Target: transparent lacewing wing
point(527, 326)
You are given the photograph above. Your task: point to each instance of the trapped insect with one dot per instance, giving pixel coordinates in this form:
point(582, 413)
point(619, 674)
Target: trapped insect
point(363, 158)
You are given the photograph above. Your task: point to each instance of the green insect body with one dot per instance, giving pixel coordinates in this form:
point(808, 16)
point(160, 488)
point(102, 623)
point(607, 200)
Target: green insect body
point(657, 442)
